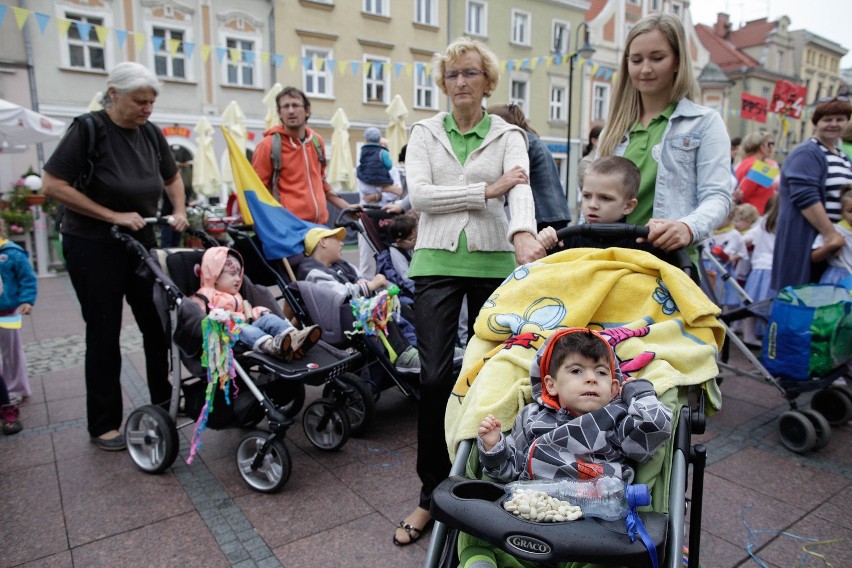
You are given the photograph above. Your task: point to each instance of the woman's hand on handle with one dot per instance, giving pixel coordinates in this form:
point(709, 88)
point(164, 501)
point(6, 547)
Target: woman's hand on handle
point(517, 175)
point(129, 220)
point(527, 248)
point(668, 235)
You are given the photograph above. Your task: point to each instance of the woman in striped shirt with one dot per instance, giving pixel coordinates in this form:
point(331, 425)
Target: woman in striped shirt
point(811, 178)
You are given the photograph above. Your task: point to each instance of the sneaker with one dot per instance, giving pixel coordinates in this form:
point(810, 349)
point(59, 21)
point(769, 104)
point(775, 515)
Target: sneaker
point(304, 339)
point(409, 361)
point(282, 345)
point(9, 417)
point(17, 398)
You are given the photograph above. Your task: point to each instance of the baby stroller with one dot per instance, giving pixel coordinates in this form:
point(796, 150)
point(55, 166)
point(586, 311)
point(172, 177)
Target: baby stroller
point(670, 336)
point(269, 387)
point(800, 429)
point(312, 303)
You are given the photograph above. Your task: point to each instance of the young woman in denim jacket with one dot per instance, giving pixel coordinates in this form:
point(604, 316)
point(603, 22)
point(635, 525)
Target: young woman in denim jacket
point(685, 170)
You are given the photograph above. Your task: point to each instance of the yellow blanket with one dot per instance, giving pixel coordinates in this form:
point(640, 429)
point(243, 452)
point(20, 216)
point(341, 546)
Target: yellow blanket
point(661, 324)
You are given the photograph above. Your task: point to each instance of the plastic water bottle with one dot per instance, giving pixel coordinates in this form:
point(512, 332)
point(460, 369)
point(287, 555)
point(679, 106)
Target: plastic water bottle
point(606, 497)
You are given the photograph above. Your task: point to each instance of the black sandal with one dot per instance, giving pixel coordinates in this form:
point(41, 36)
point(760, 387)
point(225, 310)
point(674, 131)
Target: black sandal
point(412, 537)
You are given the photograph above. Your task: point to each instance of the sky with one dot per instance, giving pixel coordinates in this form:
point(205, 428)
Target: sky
point(831, 19)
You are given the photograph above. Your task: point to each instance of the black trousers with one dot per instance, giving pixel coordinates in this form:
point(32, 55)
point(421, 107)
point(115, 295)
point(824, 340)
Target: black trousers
point(103, 274)
point(437, 305)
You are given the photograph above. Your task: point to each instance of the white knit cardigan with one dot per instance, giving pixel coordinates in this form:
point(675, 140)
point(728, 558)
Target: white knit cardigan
point(451, 198)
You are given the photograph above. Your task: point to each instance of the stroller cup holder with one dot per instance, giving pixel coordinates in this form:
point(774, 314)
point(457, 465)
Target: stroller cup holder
point(464, 503)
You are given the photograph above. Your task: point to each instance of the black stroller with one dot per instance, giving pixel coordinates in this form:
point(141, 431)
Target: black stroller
point(465, 502)
point(800, 429)
point(311, 303)
point(270, 388)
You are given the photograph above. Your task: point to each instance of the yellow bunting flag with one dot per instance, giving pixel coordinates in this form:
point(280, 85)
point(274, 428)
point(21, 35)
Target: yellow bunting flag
point(174, 45)
point(62, 25)
point(103, 33)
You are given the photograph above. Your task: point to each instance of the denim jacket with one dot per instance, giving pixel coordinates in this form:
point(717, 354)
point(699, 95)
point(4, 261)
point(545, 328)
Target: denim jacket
point(693, 169)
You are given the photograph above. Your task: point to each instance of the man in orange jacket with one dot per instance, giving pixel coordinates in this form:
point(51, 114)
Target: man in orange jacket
point(300, 174)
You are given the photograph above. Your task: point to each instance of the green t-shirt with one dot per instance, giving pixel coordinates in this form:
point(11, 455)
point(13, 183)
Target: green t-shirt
point(639, 151)
point(461, 262)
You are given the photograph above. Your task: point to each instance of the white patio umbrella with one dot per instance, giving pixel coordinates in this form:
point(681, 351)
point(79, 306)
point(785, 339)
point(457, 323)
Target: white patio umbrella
point(271, 106)
point(341, 169)
point(95, 103)
point(234, 120)
point(20, 125)
point(206, 178)
point(397, 134)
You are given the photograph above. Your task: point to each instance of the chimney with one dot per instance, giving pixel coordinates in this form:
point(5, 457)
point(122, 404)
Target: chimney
point(722, 27)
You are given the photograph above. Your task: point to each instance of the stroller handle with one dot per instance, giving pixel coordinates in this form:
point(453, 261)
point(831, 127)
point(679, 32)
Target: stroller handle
point(352, 213)
point(153, 266)
point(617, 231)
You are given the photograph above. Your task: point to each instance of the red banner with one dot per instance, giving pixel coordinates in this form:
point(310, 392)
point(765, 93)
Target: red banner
point(788, 99)
point(753, 108)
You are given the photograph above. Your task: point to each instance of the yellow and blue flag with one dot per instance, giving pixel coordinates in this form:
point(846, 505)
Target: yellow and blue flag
point(281, 233)
point(13, 321)
point(762, 173)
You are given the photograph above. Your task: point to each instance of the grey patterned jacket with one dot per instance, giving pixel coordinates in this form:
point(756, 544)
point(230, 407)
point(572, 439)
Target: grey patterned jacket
point(554, 443)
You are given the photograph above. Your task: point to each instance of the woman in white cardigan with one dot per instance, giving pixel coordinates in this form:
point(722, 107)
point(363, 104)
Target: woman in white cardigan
point(462, 167)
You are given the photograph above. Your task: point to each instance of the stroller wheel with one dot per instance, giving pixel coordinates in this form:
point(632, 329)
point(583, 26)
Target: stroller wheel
point(358, 400)
point(834, 404)
point(152, 438)
point(821, 427)
point(797, 433)
point(326, 425)
point(273, 468)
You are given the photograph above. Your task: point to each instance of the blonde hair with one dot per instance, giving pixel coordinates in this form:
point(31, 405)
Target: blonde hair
point(460, 46)
point(752, 142)
point(747, 212)
point(626, 106)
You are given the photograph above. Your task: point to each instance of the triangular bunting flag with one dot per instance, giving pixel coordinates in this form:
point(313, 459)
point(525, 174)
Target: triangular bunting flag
point(120, 37)
point(102, 33)
point(21, 16)
point(188, 49)
point(264, 58)
point(2, 12)
point(157, 43)
point(84, 29)
point(221, 52)
point(249, 57)
point(292, 61)
point(234, 55)
point(174, 45)
point(277, 60)
point(398, 67)
point(41, 19)
point(139, 40)
point(205, 52)
point(62, 25)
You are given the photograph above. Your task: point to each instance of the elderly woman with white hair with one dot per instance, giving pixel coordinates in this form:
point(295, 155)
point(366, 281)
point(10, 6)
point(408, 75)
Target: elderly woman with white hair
point(120, 183)
point(462, 167)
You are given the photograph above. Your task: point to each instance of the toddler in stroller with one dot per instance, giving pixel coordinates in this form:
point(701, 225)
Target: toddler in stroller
point(221, 280)
point(663, 330)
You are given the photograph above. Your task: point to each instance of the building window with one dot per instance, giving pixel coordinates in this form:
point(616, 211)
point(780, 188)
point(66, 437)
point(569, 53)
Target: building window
point(561, 35)
point(677, 9)
point(521, 22)
point(764, 92)
point(84, 52)
point(519, 94)
point(317, 75)
point(476, 20)
point(425, 94)
point(557, 103)
point(780, 60)
point(600, 101)
point(240, 69)
point(426, 12)
point(377, 7)
point(170, 61)
point(377, 80)
point(655, 5)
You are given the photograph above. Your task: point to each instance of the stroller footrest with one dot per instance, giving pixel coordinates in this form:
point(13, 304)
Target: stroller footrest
point(476, 507)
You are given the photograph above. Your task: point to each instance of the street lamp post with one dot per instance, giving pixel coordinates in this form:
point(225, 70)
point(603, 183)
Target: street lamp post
point(585, 52)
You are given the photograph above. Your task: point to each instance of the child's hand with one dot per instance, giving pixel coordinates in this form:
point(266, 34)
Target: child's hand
point(378, 282)
point(547, 238)
point(489, 431)
point(25, 309)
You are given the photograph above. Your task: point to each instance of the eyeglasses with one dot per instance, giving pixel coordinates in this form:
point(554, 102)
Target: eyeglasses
point(770, 144)
point(288, 106)
point(468, 74)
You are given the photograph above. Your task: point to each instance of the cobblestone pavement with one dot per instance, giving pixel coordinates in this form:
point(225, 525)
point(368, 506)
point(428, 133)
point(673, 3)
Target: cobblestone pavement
point(67, 504)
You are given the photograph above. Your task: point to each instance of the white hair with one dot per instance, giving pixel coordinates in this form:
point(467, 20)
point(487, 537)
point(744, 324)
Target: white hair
point(128, 77)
